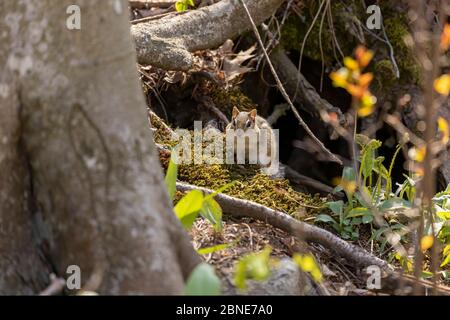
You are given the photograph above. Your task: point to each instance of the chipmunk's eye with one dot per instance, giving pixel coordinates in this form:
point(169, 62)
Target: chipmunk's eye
point(248, 124)
point(234, 123)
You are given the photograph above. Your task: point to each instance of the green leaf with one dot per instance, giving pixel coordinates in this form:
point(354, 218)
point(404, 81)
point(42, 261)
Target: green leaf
point(203, 281)
point(191, 3)
point(357, 212)
point(253, 266)
point(180, 6)
point(367, 162)
point(444, 215)
point(171, 178)
point(336, 206)
point(446, 261)
point(325, 218)
point(213, 249)
point(220, 190)
point(212, 211)
point(395, 203)
point(368, 218)
point(188, 207)
point(348, 174)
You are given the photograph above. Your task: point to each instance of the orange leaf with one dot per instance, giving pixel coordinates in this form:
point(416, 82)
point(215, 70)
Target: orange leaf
point(426, 242)
point(445, 37)
point(363, 56)
point(365, 79)
point(355, 91)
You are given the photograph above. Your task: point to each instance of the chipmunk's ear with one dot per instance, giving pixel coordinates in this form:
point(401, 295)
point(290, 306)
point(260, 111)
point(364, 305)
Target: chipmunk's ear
point(252, 114)
point(235, 112)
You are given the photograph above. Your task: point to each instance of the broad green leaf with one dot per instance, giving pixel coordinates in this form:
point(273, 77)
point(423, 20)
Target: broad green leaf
point(220, 190)
point(188, 207)
point(180, 6)
point(171, 178)
point(367, 162)
point(367, 218)
point(212, 211)
point(336, 206)
point(203, 281)
point(325, 218)
point(216, 248)
point(395, 203)
point(357, 212)
point(348, 174)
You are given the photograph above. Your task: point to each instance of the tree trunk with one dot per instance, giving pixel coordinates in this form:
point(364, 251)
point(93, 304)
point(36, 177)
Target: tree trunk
point(101, 200)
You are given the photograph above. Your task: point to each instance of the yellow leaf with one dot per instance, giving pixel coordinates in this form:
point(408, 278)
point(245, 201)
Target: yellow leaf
point(442, 84)
point(443, 127)
point(340, 77)
point(307, 263)
point(426, 242)
point(351, 63)
point(417, 154)
point(367, 104)
point(365, 111)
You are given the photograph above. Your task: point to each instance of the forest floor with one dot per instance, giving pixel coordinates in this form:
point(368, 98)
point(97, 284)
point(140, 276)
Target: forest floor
point(235, 75)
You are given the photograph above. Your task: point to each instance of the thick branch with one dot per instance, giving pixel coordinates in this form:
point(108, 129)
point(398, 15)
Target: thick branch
point(392, 282)
point(239, 208)
point(168, 43)
point(307, 97)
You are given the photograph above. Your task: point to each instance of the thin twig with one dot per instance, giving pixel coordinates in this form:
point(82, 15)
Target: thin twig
point(283, 91)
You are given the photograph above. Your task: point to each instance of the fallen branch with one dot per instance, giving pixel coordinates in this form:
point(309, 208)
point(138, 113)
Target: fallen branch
point(168, 42)
point(307, 96)
point(391, 281)
point(244, 208)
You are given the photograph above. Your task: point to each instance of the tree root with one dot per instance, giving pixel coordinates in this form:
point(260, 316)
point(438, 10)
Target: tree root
point(392, 282)
point(239, 208)
point(307, 97)
point(168, 43)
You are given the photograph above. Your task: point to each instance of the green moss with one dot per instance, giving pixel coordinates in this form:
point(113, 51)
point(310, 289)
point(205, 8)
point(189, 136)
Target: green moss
point(397, 30)
point(226, 99)
point(385, 74)
point(250, 184)
point(296, 27)
point(347, 20)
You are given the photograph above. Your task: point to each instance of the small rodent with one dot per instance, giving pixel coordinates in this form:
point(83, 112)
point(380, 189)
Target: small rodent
point(263, 131)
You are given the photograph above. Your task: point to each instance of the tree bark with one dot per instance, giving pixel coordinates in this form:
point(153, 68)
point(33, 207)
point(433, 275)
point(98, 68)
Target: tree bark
point(101, 199)
point(168, 43)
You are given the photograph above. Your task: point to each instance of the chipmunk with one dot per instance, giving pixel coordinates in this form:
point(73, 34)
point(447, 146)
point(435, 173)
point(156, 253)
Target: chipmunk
point(263, 146)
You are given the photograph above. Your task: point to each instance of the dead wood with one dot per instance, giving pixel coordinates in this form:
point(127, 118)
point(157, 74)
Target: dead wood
point(244, 208)
point(168, 42)
point(391, 282)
